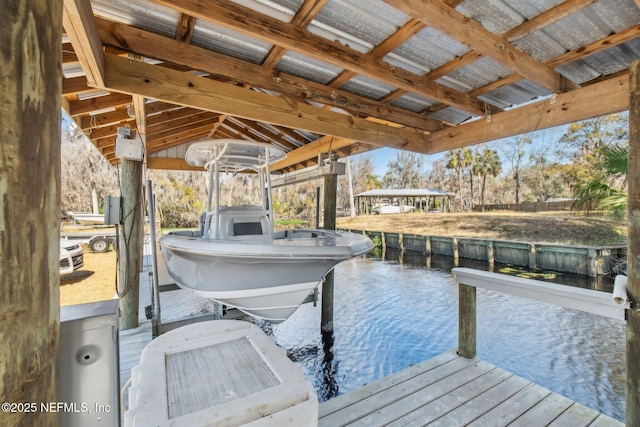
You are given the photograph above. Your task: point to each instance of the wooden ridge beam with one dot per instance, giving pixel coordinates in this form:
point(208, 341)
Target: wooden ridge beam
point(172, 86)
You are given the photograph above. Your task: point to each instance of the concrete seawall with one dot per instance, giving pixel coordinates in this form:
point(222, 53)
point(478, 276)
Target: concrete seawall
point(590, 261)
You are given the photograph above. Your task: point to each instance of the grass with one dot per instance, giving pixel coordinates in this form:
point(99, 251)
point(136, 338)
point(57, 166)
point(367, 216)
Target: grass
point(548, 227)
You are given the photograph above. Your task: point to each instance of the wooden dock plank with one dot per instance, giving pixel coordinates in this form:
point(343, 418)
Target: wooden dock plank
point(605, 421)
point(544, 412)
point(507, 411)
point(341, 402)
point(450, 390)
point(482, 403)
point(576, 415)
point(448, 402)
point(399, 390)
point(425, 395)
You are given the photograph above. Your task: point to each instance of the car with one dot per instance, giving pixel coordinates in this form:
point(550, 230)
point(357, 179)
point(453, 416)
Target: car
point(71, 256)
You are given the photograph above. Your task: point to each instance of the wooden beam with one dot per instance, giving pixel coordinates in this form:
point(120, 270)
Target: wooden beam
point(302, 18)
point(608, 97)
point(453, 23)
point(75, 85)
point(80, 26)
point(632, 391)
point(311, 151)
point(204, 116)
point(107, 131)
point(172, 86)
point(556, 13)
point(103, 119)
point(170, 164)
point(163, 48)
point(184, 30)
point(30, 189)
point(141, 116)
point(247, 21)
point(86, 106)
point(175, 141)
point(404, 33)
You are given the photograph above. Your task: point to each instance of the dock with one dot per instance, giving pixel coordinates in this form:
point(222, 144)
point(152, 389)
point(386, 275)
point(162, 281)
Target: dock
point(447, 390)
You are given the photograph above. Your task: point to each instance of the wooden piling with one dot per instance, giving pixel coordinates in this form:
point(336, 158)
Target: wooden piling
point(131, 243)
point(633, 252)
point(30, 108)
point(467, 321)
point(330, 197)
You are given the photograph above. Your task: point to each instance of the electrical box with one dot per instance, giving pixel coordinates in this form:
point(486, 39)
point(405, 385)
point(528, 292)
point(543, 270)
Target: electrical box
point(89, 365)
point(129, 149)
point(112, 211)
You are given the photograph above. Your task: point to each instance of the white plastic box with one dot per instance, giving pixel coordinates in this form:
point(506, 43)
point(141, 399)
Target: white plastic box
point(219, 373)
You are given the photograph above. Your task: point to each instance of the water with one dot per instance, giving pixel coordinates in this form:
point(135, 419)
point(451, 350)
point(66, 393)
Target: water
point(390, 314)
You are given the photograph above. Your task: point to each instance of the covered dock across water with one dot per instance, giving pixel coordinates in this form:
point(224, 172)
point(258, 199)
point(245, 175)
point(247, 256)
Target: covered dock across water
point(422, 199)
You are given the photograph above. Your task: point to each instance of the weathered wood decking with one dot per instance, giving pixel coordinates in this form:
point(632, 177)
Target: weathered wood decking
point(449, 390)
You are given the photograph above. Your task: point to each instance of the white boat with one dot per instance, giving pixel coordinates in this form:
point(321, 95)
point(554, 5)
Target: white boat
point(237, 258)
point(391, 209)
point(87, 218)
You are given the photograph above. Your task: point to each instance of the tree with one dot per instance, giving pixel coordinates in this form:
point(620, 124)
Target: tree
point(487, 162)
point(459, 160)
point(513, 150)
point(607, 191)
point(405, 172)
point(583, 141)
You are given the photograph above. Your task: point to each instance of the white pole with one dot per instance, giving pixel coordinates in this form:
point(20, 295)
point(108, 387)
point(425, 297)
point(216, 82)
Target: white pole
point(351, 204)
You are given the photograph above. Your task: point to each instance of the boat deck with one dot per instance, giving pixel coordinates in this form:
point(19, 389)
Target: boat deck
point(446, 390)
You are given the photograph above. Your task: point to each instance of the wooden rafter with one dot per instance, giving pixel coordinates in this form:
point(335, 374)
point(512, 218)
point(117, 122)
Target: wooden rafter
point(302, 18)
point(291, 37)
point(86, 106)
point(78, 22)
point(453, 23)
point(163, 48)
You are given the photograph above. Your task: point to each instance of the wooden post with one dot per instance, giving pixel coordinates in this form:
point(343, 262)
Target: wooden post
point(491, 257)
point(131, 243)
point(633, 252)
point(30, 90)
point(330, 196)
point(467, 321)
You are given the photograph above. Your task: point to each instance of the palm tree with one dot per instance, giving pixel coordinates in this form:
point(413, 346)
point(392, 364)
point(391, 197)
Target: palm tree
point(459, 160)
point(607, 191)
point(487, 162)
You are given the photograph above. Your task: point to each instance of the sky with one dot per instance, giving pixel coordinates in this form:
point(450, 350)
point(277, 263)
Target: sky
point(382, 156)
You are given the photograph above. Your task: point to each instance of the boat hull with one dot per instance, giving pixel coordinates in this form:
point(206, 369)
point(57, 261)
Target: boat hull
point(266, 280)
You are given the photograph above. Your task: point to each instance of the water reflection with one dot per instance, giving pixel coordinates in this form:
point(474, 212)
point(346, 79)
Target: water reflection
point(394, 312)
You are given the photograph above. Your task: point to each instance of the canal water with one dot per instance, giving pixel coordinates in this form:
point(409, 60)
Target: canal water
point(394, 311)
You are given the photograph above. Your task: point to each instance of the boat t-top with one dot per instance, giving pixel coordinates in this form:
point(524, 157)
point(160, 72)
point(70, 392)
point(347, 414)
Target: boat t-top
point(236, 258)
